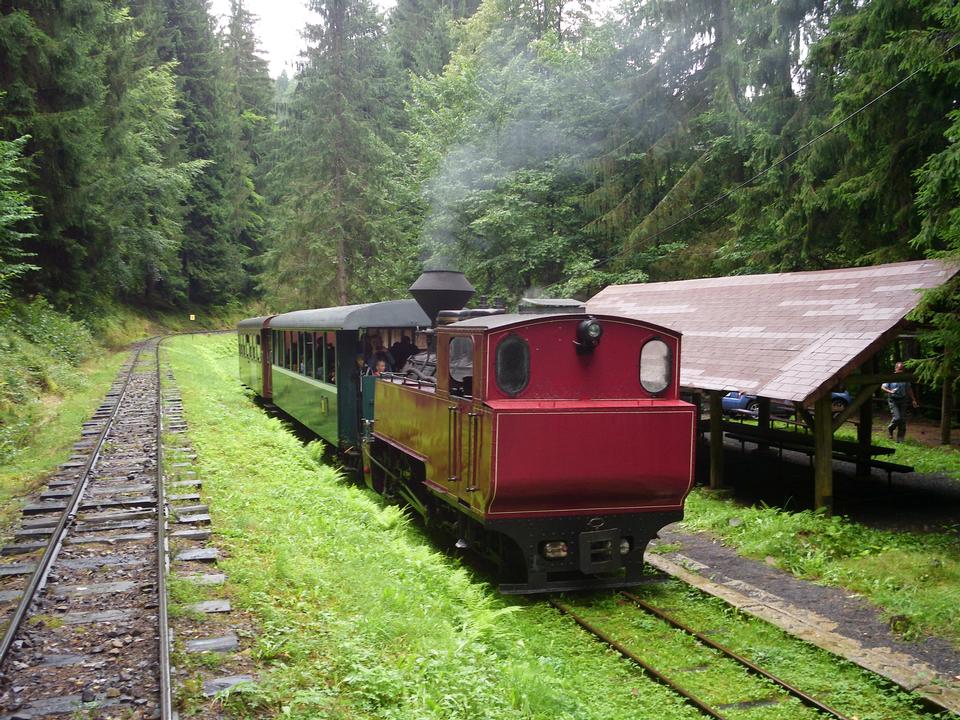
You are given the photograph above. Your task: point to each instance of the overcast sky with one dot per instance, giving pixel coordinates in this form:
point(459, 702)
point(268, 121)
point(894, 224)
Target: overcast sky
point(280, 22)
point(279, 25)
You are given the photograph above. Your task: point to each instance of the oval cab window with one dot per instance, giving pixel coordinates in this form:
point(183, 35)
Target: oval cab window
point(656, 366)
point(513, 365)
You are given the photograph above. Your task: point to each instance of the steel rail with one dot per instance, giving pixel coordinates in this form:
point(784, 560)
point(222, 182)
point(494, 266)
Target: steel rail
point(630, 655)
point(166, 685)
point(50, 553)
point(806, 699)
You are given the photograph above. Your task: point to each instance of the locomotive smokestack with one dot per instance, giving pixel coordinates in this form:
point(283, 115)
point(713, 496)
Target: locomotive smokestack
point(437, 290)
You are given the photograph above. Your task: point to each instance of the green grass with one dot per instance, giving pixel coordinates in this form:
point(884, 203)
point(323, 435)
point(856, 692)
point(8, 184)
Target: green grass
point(359, 616)
point(913, 577)
point(718, 680)
point(854, 691)
point(49, 385)
point(55, 370)
point(118, 326)
point(941, 460)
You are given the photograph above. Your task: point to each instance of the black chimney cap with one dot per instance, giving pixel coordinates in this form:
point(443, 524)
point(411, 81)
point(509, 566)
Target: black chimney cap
point(437, 290)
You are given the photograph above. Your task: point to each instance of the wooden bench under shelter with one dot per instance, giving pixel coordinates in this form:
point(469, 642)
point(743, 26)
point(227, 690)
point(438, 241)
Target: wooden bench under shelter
point(800, 442)
point(791, 337)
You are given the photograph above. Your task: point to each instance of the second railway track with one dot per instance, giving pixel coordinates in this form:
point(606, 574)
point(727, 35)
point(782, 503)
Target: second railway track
point(708, 675)
point(85, 620)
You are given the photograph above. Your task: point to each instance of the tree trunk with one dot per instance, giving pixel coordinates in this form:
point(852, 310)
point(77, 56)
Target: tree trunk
point(946, 403)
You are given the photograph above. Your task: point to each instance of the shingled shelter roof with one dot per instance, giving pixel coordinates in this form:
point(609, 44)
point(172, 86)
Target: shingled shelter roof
point(789, 336)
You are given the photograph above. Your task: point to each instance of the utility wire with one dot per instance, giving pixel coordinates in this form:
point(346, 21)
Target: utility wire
point(719, 199)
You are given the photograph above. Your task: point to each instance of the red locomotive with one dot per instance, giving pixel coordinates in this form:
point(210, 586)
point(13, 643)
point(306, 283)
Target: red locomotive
point(556, 445)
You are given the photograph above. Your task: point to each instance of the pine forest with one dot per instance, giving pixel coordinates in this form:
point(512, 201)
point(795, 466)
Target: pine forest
point(544, 147)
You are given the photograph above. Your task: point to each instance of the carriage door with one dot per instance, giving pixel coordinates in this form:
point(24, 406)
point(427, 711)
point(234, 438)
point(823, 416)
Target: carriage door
point(460, 415)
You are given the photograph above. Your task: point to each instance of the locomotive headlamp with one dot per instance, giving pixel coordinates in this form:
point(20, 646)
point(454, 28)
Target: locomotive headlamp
point(624, 546)
point(589, 332)
point(555, 549)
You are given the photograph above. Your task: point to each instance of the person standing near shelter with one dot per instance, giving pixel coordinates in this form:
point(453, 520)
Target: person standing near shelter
point(897, 395)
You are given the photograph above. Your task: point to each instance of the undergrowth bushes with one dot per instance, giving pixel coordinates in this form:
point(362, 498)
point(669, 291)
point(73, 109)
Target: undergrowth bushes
point(40, 350)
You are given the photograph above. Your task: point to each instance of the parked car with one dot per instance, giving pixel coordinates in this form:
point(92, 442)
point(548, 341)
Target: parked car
point(751, 403)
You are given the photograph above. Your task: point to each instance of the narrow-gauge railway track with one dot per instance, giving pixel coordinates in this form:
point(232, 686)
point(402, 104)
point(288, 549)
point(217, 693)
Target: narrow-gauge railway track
point(709, 707)
point(89, 630)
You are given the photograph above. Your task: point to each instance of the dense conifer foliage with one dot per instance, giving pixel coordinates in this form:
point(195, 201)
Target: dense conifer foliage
point(139, 125)
point(537, 144)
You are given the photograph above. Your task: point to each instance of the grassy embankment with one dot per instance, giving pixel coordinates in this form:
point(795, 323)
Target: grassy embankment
point(54, 371)
point(360, 617)
point(913, 577)
point(936, 460)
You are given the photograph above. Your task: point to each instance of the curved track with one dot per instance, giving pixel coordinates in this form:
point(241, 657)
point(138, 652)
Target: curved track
point(89, 631)
point(712, 710)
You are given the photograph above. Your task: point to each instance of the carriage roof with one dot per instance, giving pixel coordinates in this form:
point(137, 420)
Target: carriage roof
point(389, 314)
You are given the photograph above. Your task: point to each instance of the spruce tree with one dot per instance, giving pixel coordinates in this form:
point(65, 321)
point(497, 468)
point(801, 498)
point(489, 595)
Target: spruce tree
point(339, 234)
point(52, 72)
point(211, 254)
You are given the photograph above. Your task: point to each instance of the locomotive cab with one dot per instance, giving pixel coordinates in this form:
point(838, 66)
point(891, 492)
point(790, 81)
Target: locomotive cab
point(555, 443)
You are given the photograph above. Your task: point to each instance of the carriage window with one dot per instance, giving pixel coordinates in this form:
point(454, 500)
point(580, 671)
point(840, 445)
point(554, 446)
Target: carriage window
point(656, 366)
point(330, 357)
point(460, 363)
point(308, 354)
point(513, 365)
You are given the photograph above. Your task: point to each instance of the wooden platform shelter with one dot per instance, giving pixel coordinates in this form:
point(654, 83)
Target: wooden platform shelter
point(788, 337)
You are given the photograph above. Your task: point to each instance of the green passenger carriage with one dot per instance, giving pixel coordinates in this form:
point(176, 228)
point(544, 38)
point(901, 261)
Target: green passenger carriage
point(313, 362)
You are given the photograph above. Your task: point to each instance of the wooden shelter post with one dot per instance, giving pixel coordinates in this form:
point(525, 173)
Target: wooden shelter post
point(864, 438)
point(865, 428)
point(763, 419)
point(946, 403)
point(716, 440)
point(823, 454)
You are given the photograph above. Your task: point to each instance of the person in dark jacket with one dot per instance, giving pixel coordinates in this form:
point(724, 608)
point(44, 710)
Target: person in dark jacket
point(898, 394)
